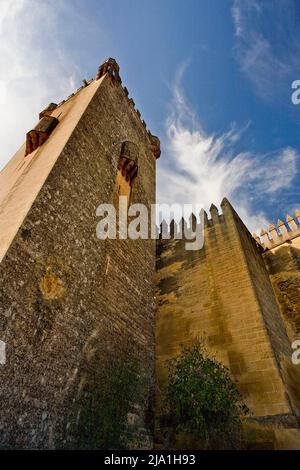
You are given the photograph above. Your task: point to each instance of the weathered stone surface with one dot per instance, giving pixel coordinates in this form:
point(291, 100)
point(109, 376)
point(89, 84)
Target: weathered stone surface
point(283, 264)
point(73, 308)
point(223, 295)
point(71, 303)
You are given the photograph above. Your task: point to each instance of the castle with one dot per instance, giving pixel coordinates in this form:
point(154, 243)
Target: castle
point(74, 309)
point(241, 295)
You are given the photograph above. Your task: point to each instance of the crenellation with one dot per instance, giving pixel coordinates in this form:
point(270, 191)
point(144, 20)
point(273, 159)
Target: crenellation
point(173, 228)
point(182, 227)
point(86, 305)
point(157, 232)
point(205, 218)
point(291, 223)
point(106, 68)
point(282, 228)
point(256, 237)
point(179, 230)
point(111, 68)
point(70, 96)
point(275, 236)
point(264, 237)
point(214, 214)
point(193, 221)
point(131, 101)
point(281, 233)
point(223, 294)
point(164, 230)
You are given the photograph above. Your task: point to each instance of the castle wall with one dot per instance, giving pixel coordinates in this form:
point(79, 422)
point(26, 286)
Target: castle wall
point(283, 264)
point(72, 306)
point(22, 178)
point(223, 294)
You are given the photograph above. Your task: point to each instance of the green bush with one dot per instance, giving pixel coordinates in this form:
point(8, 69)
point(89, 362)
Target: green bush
point(104, 414)
point(201, 399)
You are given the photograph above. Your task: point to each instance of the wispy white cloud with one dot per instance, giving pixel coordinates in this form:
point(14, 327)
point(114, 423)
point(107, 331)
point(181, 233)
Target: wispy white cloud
point(203, 168)
point(240, 11)
point(267, 45)
point(37, 64)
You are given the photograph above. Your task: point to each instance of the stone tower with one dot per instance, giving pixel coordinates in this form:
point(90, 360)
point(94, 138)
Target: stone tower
point(240, 295)
point(73, 308)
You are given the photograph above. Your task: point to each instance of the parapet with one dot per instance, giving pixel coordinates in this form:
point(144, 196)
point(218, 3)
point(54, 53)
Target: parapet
point(109, 67)
point(281, 233)
point(187, 226)
point(179, 230)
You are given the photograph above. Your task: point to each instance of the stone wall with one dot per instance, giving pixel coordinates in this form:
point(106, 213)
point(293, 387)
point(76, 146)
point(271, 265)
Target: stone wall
point(222, 293)
point(72, 306)
point(283, 264)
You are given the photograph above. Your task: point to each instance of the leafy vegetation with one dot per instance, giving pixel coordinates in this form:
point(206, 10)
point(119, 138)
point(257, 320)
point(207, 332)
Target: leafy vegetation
point(201, 399)
point(112, 388)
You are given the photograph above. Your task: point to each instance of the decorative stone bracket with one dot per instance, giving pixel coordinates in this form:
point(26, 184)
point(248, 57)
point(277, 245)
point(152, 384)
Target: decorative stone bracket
point(155, 145)
point(40, 133)
point(128, 161)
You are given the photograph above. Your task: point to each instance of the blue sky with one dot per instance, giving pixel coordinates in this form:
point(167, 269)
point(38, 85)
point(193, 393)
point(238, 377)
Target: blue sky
point(212, 78)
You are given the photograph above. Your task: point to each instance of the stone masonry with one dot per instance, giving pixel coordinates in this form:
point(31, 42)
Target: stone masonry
point(69, 302)
point(223, 294)
point(77, 314)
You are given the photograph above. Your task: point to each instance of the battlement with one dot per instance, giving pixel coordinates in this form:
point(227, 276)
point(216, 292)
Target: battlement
point(177, 230)
point(223, 294)
point(35, 138)
point(275, 236)
point(281, 233)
